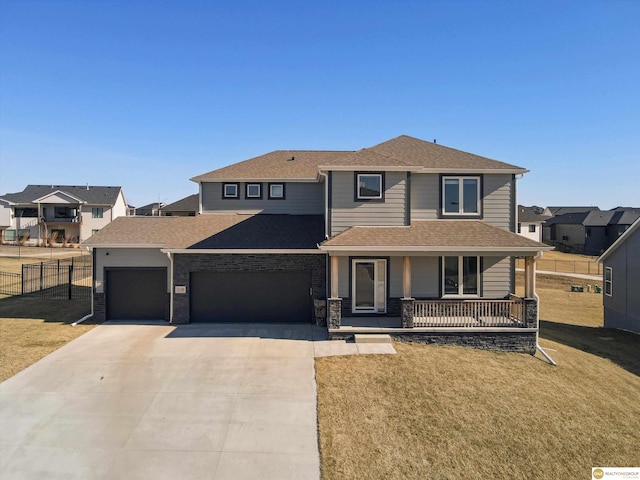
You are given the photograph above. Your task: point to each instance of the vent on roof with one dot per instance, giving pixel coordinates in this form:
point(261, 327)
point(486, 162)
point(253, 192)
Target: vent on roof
point(291, 159)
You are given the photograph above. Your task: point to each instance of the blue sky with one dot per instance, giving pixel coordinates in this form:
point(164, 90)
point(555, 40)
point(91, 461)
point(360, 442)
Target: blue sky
point(147, 94)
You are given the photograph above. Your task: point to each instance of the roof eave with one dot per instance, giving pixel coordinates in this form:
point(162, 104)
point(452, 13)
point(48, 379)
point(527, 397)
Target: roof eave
point(123, 245)
point(619, 241)
point(431, 248)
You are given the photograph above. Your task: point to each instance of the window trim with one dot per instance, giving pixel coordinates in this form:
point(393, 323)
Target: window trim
point(284, 192)
point(356, 187)
point(230, 197)
point(480, 182)
point(534, 228)
point(97, 210)
point(461, 293)
point(94, 231)
point(608, 282)
point(252, 197)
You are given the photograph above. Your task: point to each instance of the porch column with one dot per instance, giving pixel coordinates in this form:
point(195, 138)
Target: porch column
point(334, 305)
point(334, 277)
point(406, 277)
point(407, 300)
point(530, 277)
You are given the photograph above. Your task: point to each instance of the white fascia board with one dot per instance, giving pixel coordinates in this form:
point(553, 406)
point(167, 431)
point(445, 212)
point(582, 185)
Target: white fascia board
point(433, 249)
point(258, 180)
point(365, 168)
point(242, 251)
point(123, 245)
point(472, 171)
point(39, 200)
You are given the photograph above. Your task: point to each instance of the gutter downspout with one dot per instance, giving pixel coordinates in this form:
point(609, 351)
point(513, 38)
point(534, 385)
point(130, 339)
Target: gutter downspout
point(326, 231)
point(538, 347)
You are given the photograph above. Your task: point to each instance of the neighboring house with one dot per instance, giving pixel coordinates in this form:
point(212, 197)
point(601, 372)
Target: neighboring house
point(151, 210)
point(589, 232)
point(407, 237)
point(530, 220)
point(63, 212)
point(621, 281)
point(186, 207)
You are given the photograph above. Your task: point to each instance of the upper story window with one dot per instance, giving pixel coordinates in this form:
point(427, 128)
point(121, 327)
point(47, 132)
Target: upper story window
point(461, 196)
point(97, 212)
point(608, 281)
point(369, 186)
point(230, 190)
point(532, 228)
point(276, 191)
point(253, 190)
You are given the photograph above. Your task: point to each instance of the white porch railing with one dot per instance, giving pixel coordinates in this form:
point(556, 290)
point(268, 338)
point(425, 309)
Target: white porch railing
point(469, 313)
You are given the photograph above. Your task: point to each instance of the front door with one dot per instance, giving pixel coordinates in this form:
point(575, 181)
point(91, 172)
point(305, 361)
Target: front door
point(369, 287)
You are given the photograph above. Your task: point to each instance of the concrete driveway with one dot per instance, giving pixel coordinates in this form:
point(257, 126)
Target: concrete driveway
point(152, 401)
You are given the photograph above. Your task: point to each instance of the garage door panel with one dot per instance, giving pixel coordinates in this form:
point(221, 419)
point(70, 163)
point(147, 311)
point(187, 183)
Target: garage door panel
point(136, 294)
point(270, 297)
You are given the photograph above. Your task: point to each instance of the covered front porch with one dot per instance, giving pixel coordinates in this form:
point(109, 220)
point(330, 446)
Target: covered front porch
point(418, 289)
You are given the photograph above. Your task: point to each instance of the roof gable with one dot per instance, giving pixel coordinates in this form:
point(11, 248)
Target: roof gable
point(59, 197)
point(620, 241)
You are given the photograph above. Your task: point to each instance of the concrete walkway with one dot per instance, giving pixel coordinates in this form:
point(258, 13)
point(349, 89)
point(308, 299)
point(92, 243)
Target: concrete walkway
point(593, 278)
point(152, 401)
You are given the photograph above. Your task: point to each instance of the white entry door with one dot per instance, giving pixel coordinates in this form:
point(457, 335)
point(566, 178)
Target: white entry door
point(369, 286)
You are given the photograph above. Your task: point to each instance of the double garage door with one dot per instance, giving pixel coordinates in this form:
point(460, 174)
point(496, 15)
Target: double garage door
point(272, 297)
point(257, 297)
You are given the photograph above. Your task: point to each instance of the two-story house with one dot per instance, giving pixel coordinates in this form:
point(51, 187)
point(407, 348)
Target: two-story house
point(407, 237)
point(58, 213)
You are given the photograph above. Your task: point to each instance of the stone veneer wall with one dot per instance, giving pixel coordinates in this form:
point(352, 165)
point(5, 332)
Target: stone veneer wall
point(184, 264)
point(394, 308)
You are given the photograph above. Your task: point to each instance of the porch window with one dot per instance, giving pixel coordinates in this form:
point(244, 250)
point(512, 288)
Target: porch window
point(369, 186)
point(608, 281)
point(460, 276)
point(230, 190)
point(369, 289)
point(64, 212)
point(461, 195)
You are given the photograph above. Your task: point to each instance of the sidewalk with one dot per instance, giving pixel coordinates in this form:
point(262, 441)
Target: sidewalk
point(595, 278)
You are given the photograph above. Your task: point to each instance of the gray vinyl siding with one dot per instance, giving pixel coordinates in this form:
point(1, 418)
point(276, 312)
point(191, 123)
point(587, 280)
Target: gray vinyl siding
point(301, 198)
point(496, 277)
point(425, 196)
point(394, 288)
point(498, 204)
point(346, 212)
point(425, 277)
point(622, 308)
point(129, 257)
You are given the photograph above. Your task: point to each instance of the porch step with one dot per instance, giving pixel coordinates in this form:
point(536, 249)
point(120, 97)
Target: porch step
point(372, 338)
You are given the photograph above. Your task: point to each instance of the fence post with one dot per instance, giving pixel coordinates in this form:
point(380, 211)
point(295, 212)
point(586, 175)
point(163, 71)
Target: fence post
point(41, 273)
point(70, 280)
point(22, 282)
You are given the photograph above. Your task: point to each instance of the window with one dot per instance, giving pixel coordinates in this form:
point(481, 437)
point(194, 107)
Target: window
point(369, 285)
point(588, 232)
point(27, 212)
point(519, 227)
point(608, 281)
point(532, 228)
point(230, 190)
point(253, 190)
point(369, 186)
point(460, 276)
point(461, 196)
point(276, 191)
point(97, 212)
point(94, 231)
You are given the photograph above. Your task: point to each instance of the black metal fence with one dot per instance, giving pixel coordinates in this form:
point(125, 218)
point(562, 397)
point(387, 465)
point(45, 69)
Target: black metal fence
point(60, 279)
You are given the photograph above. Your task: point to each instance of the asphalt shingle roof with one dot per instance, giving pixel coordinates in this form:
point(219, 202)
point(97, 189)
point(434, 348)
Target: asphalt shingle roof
point(92, 195)
point(187, 204)
point(214, 232)
point(531, 214)
point(402, 151)
point(433, 233)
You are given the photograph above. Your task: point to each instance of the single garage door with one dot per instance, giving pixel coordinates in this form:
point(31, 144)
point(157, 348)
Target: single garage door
point(136, 293)
point(274, 297)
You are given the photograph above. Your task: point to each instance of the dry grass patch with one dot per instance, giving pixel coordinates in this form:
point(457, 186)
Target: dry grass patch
point(32, 328)
point(449, 413)
point(14, 264)
point(557, 261)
